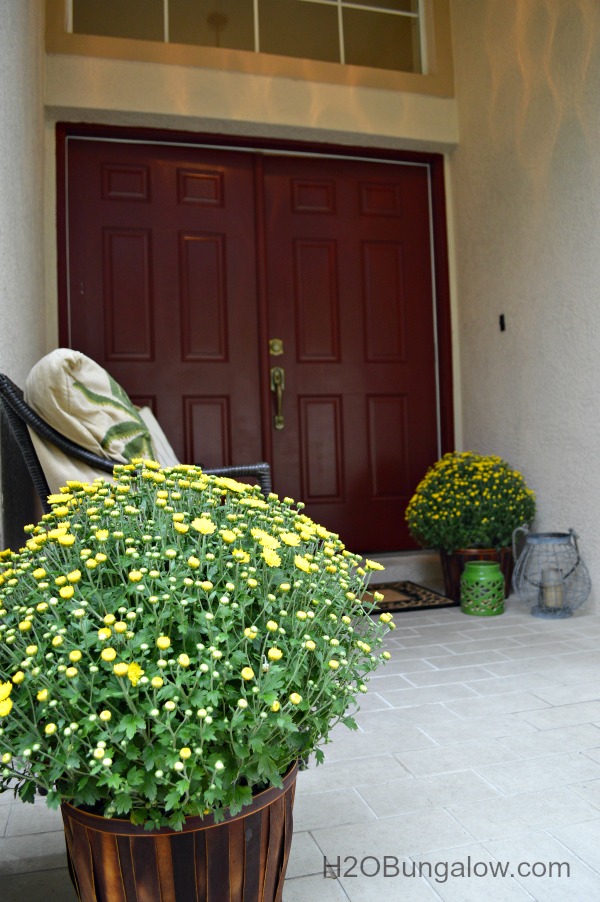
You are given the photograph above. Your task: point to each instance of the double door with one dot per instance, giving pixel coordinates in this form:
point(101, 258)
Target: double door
point(266, 307)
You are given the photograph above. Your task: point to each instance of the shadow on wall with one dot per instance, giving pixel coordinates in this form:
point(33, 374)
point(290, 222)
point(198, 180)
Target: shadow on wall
point(17, 497)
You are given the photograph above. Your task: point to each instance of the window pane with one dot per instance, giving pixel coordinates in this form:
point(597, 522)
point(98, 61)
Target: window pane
point(142, 19)
point(381, 41)
point(401, 6)
point(212, 23)
point(306, 30)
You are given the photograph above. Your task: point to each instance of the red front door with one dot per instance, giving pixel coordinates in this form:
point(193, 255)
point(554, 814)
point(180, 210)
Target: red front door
point(177, 255)
point(349, 294)
point(163, 288)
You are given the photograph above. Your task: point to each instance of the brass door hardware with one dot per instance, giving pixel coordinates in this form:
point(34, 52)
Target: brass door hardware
point(277, 387)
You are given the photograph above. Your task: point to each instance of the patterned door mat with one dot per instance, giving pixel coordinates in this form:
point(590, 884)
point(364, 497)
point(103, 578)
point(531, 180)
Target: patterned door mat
point(408, 596)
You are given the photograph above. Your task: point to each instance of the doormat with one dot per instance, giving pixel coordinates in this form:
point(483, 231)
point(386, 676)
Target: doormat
point(408, 596)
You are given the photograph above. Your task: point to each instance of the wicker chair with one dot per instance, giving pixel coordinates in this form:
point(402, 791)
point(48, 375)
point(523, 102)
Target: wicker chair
point(20, 416)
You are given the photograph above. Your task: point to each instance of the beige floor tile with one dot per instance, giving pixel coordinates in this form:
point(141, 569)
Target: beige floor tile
point(561, 875)
point(394, 883)
point(427, 716)
point(33, 852)
point(526, 812)
point(317, 810)
point(483, 643)
point(545, 650)
point(556, 693)
point(358, 772)
point(581, 839)
point(6, 798)
point(364, 745)
point(26, 819)
point(541, 773)
point(549, 665)
point(540, 684)
point(39, 886)
point(469, 874)
point(461, 756)
point(399, 698)
point(416, 648)
point(311, 889)
point(565, 715)
point(548, 742)
point(373, 701)
point(455, 729)
point(465, 659)
point(590, 791)
point(507, 703)
point(439, 791)
point(455, 675)
point(305, 856)
point(4, 815)
point(409, 834)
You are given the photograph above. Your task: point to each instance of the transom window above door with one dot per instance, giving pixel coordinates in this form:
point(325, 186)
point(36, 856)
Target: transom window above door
point(379, 34)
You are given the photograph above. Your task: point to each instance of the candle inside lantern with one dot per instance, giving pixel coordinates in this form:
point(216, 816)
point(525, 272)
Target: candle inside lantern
point(552, 588)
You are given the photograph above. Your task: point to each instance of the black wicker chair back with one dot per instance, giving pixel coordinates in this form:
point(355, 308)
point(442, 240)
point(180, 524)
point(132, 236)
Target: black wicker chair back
point(20, 415)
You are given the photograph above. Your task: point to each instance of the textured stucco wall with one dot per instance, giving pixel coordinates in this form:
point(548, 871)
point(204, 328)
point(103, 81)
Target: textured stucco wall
point(526, 196)
point(21, 220)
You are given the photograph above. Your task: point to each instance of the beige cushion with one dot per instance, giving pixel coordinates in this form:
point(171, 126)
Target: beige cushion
point(83, 402)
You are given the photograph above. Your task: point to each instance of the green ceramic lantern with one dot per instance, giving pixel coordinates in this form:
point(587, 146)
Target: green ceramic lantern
point(482, 589)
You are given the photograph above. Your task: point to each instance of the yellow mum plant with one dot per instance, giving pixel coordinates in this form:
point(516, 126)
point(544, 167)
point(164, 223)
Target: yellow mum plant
point(172, 642)
point(468, 500)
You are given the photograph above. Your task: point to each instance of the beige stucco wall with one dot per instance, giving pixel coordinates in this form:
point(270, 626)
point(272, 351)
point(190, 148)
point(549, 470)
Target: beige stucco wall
point(526, 192)
point(22, 332)
point(21, 184)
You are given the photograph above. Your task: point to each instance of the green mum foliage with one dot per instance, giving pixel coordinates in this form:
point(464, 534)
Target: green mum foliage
point(172, 641)
point(469, 500)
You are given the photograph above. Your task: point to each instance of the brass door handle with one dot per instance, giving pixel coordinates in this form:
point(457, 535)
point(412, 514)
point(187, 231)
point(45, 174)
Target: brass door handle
point(277, 387)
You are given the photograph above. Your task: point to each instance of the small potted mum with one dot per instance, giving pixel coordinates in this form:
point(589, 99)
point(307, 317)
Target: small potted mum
point(467, 507)
point(172, 644)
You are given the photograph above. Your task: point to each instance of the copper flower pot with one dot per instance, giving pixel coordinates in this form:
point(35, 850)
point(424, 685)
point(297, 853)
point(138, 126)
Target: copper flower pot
point(243, 857)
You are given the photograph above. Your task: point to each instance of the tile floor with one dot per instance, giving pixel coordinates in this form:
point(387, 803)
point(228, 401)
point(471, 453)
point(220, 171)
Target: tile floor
point(478, 748)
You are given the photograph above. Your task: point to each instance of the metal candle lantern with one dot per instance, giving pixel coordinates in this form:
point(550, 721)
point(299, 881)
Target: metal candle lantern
point(550, 573)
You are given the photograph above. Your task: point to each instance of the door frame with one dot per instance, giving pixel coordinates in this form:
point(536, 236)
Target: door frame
point(439, 249)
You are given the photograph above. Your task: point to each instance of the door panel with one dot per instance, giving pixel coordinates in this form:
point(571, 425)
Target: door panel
point(349, 292)
point(169, 279)
point(163, 287)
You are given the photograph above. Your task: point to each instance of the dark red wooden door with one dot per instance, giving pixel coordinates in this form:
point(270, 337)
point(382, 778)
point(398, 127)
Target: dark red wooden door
point(162, 288)
point(176, 254)
point(350, 296)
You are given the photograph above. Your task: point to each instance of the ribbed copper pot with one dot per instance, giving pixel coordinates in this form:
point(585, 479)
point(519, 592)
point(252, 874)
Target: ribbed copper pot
point(241, 859)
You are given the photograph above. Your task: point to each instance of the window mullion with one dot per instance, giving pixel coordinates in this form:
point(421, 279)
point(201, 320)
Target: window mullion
point(256, 28)
point(340, 13)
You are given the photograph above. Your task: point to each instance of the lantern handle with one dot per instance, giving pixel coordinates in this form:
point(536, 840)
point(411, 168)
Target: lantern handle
point(573, 536)
point(525, 530)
